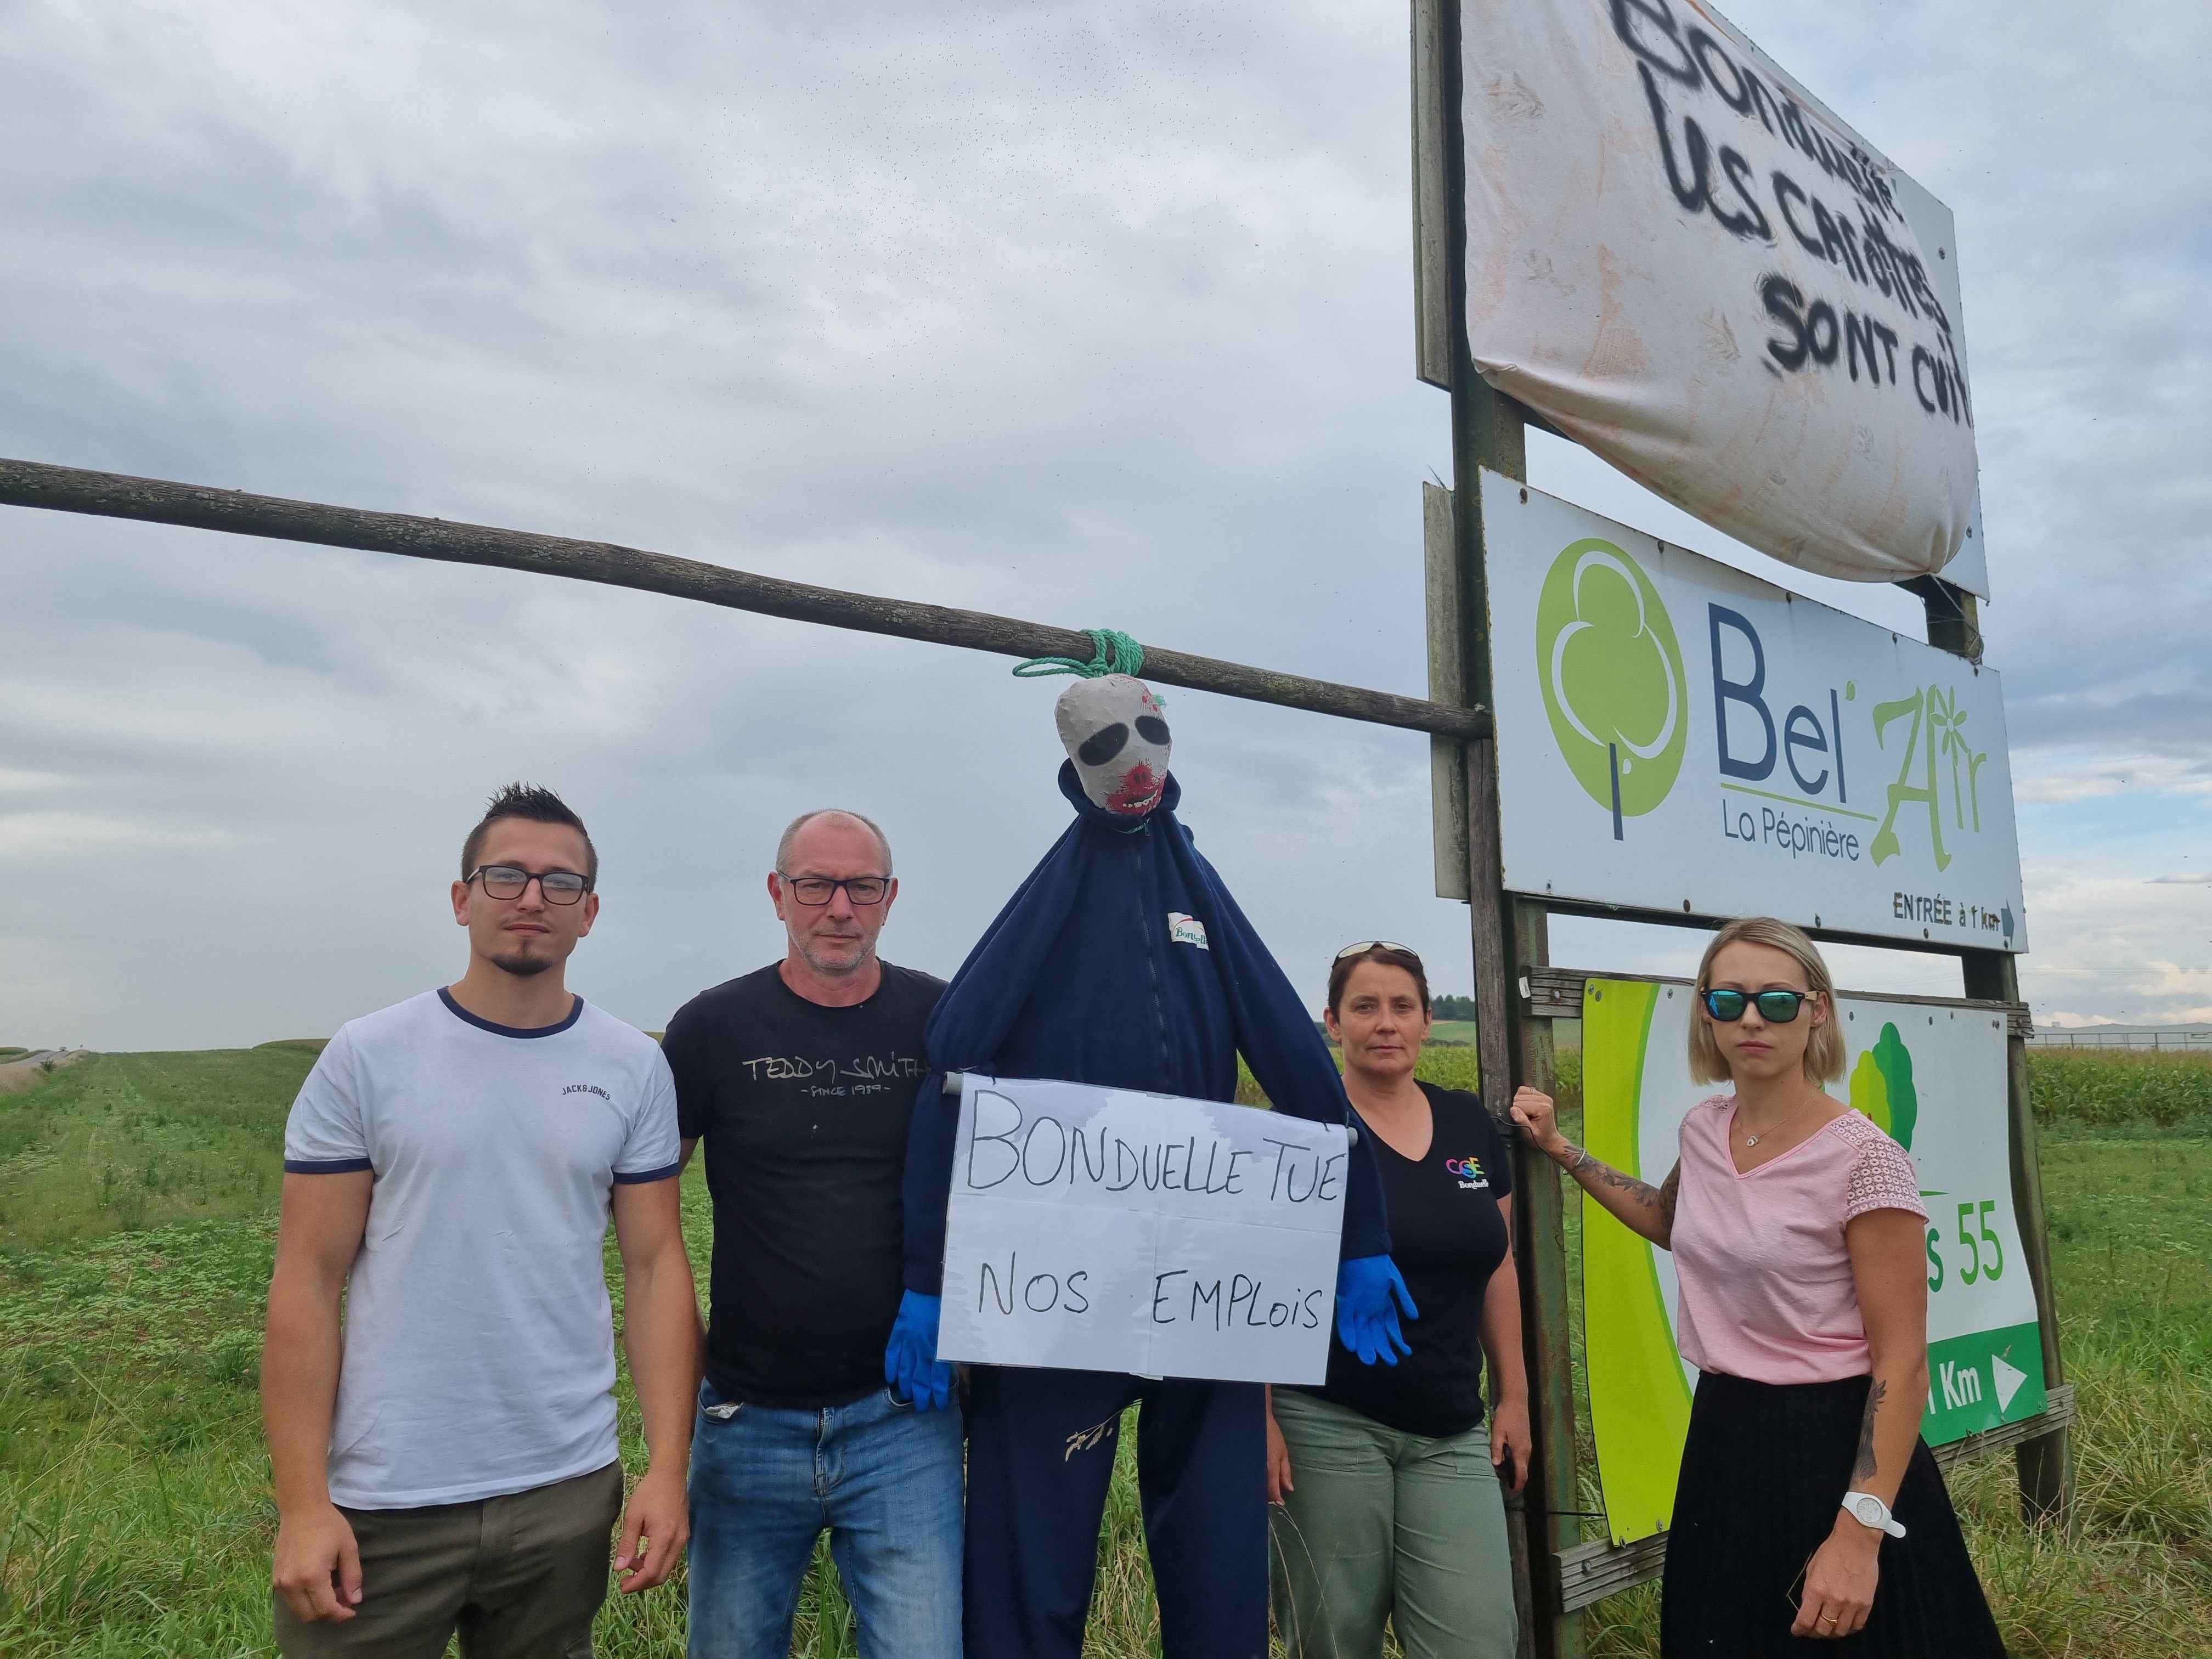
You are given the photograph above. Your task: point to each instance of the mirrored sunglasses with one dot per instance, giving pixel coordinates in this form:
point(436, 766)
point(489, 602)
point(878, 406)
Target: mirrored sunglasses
point(1775, 1007)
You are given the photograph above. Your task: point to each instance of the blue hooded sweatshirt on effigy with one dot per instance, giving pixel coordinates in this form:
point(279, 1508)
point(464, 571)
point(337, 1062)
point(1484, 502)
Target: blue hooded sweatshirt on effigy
point(1123, 962)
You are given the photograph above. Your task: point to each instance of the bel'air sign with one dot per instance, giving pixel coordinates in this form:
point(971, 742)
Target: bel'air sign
point(1676, 735)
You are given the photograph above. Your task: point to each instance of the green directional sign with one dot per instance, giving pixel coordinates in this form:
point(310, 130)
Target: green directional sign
point(1982, 1379)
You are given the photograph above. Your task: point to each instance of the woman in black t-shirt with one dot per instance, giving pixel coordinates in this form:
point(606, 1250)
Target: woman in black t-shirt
point(1388, 1503)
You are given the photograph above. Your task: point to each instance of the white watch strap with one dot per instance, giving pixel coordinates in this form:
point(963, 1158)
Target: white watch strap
point(1868, 1510)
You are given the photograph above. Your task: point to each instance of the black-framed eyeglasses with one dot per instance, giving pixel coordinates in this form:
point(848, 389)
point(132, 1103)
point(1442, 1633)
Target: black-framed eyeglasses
point(507, 881)
point(1775, 1007)
point(1367, 945)
point(820, 890)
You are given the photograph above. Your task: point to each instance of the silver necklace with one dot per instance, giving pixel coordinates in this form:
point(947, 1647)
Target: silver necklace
point(1754, 1141)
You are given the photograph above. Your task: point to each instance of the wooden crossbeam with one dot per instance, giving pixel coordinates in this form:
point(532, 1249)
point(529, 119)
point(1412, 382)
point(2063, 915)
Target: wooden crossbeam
point(158, 501)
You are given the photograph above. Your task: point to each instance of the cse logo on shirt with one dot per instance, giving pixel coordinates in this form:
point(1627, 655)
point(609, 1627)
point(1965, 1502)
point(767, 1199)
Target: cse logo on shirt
point(1469, 1171)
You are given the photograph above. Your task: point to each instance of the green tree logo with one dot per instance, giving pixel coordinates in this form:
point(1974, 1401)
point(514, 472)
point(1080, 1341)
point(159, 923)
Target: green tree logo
point(1613, 677)
point(1881, 1086)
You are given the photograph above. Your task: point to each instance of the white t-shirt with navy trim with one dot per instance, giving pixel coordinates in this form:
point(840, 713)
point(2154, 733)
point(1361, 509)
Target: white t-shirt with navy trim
point(479, 1355)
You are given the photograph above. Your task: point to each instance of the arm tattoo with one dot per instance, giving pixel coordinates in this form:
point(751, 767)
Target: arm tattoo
point(1580, 1163)
point(1669, 1190)
point(1865, 1465)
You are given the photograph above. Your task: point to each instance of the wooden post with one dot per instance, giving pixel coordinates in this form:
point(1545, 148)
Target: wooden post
point(1954, 624)
point(1434, 325)
point(1509, 932)
point(1540, 1226)
point(2047, 1462)
point(1448, 682)
point(1510, 942)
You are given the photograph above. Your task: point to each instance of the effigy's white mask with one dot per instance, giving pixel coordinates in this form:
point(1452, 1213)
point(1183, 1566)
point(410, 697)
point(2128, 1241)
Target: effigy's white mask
point(1115, 735)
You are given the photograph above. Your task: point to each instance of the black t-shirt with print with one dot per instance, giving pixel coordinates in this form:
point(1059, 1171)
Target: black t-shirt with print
point(803, 1112)
point(1447, 1236)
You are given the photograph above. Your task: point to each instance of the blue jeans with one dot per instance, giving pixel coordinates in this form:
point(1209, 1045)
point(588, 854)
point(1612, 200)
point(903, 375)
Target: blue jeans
point(883, 1478)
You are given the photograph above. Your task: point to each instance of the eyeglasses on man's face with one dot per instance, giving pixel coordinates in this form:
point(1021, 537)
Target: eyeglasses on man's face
point(819, 890)
point(508, 881)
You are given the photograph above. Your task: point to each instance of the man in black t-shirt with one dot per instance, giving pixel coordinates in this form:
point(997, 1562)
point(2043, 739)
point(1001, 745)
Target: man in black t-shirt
point(800, 1078)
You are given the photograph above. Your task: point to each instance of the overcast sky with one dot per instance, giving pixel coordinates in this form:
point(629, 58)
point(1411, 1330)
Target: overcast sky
point(1097, 314)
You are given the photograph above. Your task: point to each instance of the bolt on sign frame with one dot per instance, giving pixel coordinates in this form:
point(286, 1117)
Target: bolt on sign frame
point(1517, 993)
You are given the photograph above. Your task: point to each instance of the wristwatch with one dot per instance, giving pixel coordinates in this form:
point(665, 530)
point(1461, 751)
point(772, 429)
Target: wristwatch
point(1868, 1510)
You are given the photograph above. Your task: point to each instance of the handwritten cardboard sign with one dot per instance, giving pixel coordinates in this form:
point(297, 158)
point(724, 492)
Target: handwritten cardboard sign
point(1105, 1229)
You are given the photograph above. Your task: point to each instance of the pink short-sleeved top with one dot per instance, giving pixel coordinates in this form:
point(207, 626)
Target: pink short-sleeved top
point(1766, 1282)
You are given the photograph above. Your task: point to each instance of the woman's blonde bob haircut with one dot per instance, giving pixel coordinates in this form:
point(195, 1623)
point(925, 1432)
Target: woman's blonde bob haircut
point(1823, 1049)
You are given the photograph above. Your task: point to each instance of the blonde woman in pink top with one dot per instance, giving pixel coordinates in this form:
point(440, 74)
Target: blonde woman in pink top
point(1808, 1505)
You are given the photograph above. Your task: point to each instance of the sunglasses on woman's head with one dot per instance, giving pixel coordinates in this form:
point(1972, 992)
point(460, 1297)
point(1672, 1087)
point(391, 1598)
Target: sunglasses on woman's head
point(1367, 945)
point(1775, 1007)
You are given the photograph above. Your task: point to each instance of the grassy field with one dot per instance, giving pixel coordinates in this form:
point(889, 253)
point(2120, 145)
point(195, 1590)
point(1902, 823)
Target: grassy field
point(137, 1223)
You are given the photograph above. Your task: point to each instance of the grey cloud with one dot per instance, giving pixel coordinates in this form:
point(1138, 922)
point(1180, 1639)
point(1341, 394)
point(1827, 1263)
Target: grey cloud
point(1093, 316)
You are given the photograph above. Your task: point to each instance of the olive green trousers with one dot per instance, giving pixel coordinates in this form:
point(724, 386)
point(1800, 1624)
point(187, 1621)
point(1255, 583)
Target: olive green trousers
point(517, 1578)
point(1381, 1524)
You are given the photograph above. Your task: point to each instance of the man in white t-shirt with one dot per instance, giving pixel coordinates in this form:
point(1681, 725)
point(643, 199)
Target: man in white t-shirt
point(445, 1459)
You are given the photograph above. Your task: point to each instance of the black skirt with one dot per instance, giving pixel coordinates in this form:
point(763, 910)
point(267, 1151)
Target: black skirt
point(1763, 1472)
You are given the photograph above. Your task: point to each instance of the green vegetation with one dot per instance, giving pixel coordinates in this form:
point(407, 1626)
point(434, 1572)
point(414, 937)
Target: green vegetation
point(137, 1226)
point(123, 1142)
point(2114, 1087)
point(1448, 1066)
point(2073, 1089)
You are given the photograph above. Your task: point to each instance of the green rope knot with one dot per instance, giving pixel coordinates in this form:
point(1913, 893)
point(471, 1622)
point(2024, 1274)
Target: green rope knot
point(1113, 652)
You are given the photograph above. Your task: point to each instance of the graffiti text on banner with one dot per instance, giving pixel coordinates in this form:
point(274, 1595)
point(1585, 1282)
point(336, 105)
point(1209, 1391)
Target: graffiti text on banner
point(1685, 262)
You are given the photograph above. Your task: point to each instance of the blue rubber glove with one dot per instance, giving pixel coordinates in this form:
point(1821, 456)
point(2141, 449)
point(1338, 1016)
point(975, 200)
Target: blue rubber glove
point(910, 1362)
point(1369, 1293)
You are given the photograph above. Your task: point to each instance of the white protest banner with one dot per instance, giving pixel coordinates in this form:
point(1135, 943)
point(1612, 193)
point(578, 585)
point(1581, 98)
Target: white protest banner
point(1108, 1229)
point(1932, 1077)
point(1676, 735)
point(1682, 259)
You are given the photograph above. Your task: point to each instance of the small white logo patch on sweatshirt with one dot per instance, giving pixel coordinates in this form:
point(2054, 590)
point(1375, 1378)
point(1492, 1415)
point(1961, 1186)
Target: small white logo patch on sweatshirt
point(1186, 930)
